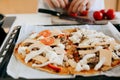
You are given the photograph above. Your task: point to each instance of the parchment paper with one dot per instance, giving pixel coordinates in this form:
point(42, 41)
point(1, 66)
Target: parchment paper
point(16, 69)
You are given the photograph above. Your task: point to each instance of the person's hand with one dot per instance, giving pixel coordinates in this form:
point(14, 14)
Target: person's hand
point(77, 6)
point(57, 3)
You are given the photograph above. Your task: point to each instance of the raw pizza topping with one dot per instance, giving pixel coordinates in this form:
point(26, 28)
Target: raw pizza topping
point(69, 51)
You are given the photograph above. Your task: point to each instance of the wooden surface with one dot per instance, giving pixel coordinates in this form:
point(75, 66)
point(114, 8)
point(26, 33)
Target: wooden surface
point(118, 5)
point(18, 6)
point(111, 4)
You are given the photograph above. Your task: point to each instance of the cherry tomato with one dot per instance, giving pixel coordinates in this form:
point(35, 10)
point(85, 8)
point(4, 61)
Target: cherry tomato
point(54, 67)
point(110, 14)
point(45, 33)
point(84, 13)
point(103, 11)
point(98, 15)
point(73, 14)
point(47, 41)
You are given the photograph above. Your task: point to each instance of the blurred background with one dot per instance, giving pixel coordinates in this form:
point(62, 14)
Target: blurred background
point(31, 6)
point(113, 4)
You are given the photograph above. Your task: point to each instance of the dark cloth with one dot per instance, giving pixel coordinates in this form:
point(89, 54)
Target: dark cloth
point(2, 35)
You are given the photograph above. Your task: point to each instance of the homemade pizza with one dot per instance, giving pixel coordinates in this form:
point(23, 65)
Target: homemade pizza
point(69, 51)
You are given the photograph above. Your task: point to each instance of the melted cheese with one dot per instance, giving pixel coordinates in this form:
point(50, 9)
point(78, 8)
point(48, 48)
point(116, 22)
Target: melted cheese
point(82, 64)
point(86, 57)
point(72, 63)
point(96, 35)
point(86, 67)
point(98, 48)
point(100, 63)
point(33, 54)
point(62, 46)
point(78, 67)
point(56, 32)
point(22, 50)
point(54, 58)
point(76, 37)
point(59, 50)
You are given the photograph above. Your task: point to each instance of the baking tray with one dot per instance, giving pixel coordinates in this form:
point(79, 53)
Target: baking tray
point(7, 51)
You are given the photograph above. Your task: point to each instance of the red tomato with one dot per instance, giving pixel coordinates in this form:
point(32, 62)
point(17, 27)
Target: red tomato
point(103, 11)
point(73, 14)
point(45, 33)
point(98, 15)
point(110, 14)
point(84, 13)
point(54, 67)
point(47, 41)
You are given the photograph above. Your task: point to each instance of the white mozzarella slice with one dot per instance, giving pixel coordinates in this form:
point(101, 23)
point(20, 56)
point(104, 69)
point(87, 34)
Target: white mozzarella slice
point(61, 46)
point(72, 63)
point(78, 67)
point(86, 67)
point(56, 32)
point(22, 50)
point(52, 56)
point(82, 64)
point(59, 59)
point(87, 56)
point(100, 63)
point(100, 35)
point(97, 48)
point(59, 50)
point(33, 54)
point(74, 39)
point(78, 33)
point(109, 39)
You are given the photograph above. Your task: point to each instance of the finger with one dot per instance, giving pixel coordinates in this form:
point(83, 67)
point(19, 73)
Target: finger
point(75, 7)
point(71, 6)
point(62, 3)
point(82, 6)
point(49, 3)
point(88, 5)
point(56, 3)
point(66, 2)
